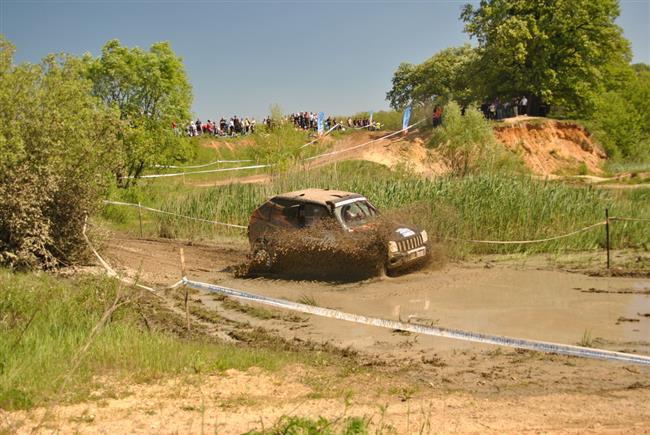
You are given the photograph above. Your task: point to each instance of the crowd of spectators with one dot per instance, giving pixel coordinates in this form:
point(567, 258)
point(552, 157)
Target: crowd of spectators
point(499, 109)
point(237, 126)
point(234, 126)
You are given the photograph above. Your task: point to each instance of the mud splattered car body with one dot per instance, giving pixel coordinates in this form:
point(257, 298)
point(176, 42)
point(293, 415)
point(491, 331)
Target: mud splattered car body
point(347, 213)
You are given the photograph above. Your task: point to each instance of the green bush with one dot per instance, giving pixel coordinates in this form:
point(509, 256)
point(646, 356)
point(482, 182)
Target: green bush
point(57, 144)
point(617, 126)
point(467, 142)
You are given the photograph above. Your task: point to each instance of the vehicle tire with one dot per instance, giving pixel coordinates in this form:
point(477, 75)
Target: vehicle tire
point(263, 257)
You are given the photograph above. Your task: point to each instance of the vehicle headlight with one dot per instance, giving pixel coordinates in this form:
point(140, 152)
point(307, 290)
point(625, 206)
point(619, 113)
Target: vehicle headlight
point(392, 247)
point(425, 236)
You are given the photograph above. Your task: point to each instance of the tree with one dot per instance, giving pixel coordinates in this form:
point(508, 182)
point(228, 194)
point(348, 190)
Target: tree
point(621, 119)
point(56, 141)
point(551, 50)
point(445, 75)
point(151, 91)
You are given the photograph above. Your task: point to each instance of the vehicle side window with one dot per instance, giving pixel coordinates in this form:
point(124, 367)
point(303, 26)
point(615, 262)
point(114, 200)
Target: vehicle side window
point(265, 210)
point(312, 214)
point(285, 215)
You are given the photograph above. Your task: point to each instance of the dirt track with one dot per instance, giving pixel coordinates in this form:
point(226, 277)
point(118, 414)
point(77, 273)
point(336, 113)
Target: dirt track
point(408, 382)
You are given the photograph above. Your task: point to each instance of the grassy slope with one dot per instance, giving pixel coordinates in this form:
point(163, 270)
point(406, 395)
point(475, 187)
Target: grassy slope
point(46, 320)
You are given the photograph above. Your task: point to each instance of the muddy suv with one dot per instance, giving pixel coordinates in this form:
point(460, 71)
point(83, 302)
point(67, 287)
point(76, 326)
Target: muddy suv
point(347, 216)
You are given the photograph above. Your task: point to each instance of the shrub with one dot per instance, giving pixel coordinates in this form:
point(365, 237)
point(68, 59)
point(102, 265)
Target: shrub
point(56, 143)
point(466, 142)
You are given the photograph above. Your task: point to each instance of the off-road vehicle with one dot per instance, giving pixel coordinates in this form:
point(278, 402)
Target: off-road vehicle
point(292, 216)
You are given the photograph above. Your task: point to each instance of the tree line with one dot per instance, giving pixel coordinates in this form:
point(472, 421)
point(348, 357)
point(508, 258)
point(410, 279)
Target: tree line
point(570, 56)
point(71, 127)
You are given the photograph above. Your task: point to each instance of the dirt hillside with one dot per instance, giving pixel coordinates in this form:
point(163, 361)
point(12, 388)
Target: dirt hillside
point(552, 147)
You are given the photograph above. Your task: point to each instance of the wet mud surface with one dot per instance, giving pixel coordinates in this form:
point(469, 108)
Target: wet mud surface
point(505, 299)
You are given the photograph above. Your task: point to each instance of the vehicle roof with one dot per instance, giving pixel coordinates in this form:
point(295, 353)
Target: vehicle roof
point(319, 196)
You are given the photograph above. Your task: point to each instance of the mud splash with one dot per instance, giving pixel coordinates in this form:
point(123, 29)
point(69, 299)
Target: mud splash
point(325, 252)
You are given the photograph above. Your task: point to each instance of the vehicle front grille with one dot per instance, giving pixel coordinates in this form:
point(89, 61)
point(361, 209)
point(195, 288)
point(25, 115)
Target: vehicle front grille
point(410, 243)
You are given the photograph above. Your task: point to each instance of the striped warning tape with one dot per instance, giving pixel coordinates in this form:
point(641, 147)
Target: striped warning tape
point(155, 210)
point(476, 337)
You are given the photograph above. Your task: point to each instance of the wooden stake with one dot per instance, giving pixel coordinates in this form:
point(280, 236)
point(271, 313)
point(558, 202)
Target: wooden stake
point(607, 235)
point(140, 216)
point(187, 290)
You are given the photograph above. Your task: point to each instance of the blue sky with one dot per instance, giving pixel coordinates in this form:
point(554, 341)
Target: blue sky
point(242, 56)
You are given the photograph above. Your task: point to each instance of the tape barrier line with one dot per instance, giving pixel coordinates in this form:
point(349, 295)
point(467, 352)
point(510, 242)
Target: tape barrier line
point(111, 272)
point(624, 219)
point(320, 137)
point(331, 153)
point(524, 242)
point(179, 174)
point(155, 210)
point(519, 343)
point(216, 162)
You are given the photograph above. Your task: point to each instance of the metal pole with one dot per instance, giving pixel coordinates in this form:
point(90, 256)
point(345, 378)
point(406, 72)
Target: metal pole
point(140, 216)
point(607, 235)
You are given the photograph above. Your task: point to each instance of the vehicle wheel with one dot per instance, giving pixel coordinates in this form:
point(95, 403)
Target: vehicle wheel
point(263, 258)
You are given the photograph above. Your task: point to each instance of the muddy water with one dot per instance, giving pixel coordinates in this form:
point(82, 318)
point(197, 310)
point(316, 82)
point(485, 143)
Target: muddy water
point(536, 304)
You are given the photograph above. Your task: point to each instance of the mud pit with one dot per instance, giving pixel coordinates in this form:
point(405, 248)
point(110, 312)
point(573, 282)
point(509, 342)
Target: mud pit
point(413, 384)
point(504, 299)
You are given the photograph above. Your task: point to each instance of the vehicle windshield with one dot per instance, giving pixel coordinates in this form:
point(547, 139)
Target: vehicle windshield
point(355, 213)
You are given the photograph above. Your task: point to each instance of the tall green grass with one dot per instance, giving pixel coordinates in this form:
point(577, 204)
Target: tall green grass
point(487, 206)
point(45, 321)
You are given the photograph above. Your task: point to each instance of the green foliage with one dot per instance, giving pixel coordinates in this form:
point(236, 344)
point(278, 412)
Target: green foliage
point(150, 90)
point(487, 206)
point(45, 321)
point(307, 426)
point(446, 75)
point(56, 142)
point(617, 125)
point(621, 120)
point(556, 50)
point(467, 143)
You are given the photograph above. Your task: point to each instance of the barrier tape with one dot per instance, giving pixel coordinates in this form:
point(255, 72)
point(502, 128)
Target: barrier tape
point(155, 210)
point(320, 137)
point(178, 174)
point(331, 153)
point(111, 272)
point(476, 337)
point(216, 162)
point(524, 242)
point(629, 219)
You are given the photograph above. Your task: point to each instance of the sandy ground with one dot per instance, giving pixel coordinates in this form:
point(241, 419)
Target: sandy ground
point(413, 384)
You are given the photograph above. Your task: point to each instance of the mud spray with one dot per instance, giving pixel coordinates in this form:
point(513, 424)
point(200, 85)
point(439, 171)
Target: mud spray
point(326, 252)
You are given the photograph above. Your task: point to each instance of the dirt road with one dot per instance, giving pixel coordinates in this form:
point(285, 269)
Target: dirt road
point(412, 384)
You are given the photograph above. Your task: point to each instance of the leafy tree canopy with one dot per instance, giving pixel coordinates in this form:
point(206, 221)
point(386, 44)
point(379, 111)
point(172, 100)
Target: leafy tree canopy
point(445, 75)
point(151, 91)
point(554, 50)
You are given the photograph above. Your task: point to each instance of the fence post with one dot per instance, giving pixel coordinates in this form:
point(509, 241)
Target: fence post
point(187, 291)
point(140, 217)
point(607, 235)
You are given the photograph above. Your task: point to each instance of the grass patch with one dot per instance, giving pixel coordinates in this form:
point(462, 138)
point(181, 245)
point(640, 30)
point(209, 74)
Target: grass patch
point(307, 426)
point(487, 206)
point(45, 321)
